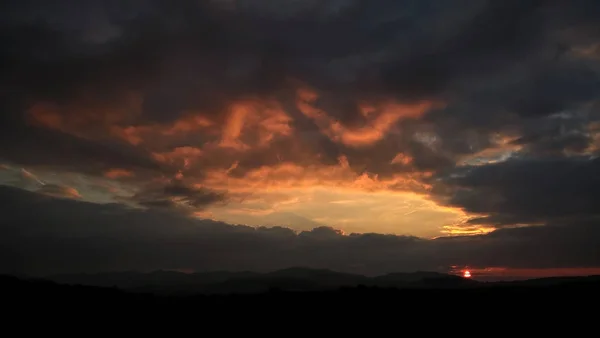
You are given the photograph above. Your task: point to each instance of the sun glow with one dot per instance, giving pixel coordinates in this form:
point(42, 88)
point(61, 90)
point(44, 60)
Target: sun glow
point(467, 274)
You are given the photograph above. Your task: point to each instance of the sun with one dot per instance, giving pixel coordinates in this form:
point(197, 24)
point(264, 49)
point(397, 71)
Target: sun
point(467, 274)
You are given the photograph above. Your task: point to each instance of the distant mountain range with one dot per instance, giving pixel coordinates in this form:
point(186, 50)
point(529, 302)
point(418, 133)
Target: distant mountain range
point(172, 283)
point(292, 279)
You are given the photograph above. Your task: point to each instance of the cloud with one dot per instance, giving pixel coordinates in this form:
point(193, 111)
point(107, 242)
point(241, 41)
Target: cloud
point(65, 235)
point(528, 191)
point(468, 104)
point(118, 173)
point(41, 147)
point(175, 194)
point(378, 120)
point(59, 191)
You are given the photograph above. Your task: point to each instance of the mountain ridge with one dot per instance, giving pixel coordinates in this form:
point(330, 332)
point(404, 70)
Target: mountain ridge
point(293, 278)
point(289, 279)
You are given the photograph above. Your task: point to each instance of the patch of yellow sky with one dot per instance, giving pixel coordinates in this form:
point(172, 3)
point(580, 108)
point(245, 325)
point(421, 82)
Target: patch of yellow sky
point(400, 213)
point(302, 208)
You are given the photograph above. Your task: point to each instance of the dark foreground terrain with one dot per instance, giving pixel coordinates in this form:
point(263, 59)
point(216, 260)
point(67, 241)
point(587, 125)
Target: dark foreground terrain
point(547, 304)
point(174, 283)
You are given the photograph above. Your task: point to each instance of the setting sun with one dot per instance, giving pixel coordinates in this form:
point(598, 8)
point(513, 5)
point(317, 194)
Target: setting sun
point(467, 274)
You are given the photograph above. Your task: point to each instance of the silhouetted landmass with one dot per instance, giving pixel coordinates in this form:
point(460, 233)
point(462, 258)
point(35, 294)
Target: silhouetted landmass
point(552, 301)
point(291, 279)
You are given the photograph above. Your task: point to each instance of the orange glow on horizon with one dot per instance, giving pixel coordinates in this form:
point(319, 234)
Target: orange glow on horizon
point(507, 273)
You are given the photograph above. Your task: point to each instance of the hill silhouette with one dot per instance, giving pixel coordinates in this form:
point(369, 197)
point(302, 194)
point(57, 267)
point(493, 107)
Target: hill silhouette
point(291, 279)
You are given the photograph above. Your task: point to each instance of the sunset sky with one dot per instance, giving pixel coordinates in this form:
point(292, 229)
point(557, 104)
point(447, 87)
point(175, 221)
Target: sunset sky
point(368, 136)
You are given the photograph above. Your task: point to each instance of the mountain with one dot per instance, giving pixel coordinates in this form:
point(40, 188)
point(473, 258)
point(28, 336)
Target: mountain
point(291, 279)
point(133, 279)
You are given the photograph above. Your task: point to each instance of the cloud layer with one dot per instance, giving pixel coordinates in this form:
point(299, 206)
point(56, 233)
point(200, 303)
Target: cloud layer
point(424, 118)
point(64, 235)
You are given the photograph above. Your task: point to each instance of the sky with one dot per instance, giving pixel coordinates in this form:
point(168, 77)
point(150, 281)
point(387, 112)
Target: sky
point(354, 135)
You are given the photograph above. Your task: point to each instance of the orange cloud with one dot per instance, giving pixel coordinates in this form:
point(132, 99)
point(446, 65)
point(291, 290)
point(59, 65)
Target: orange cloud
point(232, 130)
point(152, 133)
point(218, 143)
point(251, 212)
point(85, 117)
point(247, 123)
point(132, 135)
point(401, 158)
point(381, 117)
point(59, 191)
point(266, 119)
point(589, 51)
point(185, 154)
point(288, 175)
point(466, 230)
point(203, 214)
point(501, 149)
point(594, 132)
point(276, 122)
point(189, 123)
point(118, 173)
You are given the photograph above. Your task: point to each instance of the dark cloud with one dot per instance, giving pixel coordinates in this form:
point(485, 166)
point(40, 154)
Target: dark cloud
point(490, 40)
point(176, 194)
point(485, 58)
point(66, 235)
point(246, 50)
point(33, 146)
point(526, 190)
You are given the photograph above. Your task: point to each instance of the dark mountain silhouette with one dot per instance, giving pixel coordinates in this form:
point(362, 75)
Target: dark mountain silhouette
point(291, 279)
point(133, 279)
